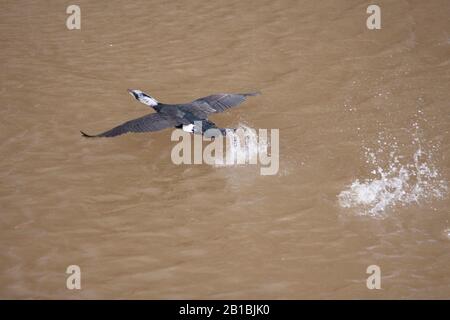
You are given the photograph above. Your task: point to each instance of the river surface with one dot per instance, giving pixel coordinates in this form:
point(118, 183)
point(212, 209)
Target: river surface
point(364, 151)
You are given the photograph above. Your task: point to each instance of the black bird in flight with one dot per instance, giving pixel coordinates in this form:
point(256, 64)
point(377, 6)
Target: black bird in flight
point(191, 117)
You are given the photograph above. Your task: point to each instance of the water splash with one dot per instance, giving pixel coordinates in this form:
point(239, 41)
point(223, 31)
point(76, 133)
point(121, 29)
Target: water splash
point(242, 147)
point(398, 178)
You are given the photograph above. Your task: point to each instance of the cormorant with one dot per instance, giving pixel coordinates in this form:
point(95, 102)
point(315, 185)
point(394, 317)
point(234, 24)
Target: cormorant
point(186, 116)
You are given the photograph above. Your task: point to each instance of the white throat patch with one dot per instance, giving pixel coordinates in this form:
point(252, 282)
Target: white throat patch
point(148, 101)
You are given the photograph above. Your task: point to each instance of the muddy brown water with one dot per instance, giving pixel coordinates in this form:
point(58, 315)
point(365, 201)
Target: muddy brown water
point(141, 227)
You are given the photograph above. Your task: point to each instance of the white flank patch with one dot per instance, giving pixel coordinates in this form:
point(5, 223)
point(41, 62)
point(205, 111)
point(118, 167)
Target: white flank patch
point(188, 128)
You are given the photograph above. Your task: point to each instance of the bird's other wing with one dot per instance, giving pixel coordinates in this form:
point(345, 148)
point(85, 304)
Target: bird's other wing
point(220, 102)
point(207, 125)
point(150, 122)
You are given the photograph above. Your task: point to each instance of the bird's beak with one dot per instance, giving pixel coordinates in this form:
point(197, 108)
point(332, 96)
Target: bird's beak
point(131, 91)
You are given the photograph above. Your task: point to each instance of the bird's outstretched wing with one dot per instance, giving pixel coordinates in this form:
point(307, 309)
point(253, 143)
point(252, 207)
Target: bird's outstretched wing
point(150, 122)
point(219, 102)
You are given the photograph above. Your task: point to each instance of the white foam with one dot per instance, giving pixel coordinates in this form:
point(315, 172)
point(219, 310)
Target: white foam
point(242, 147)
point(399, 178)
point(446, 233)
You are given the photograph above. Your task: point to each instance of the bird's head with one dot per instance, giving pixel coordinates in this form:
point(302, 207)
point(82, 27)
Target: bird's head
point(143, 97)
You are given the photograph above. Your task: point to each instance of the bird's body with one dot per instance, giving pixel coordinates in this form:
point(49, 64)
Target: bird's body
point(191, 117)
